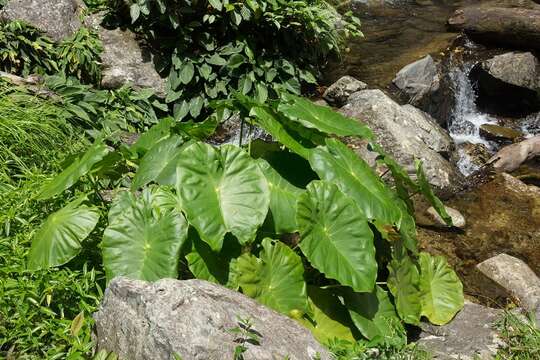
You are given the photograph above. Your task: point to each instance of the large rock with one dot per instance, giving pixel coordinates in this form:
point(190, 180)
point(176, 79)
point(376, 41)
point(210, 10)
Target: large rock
point(418, 81)
point(338, 93)
point(514, 27)
point(508, 84)
point(469, 336)
point(125, 61)
point(520, 69)
point(516, 279)
point(511, 157)
point(194, 319)
point(407, 134)
point(58, 18)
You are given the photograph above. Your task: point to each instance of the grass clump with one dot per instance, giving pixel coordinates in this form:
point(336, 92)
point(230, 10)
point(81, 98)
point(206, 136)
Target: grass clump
point(522, 338)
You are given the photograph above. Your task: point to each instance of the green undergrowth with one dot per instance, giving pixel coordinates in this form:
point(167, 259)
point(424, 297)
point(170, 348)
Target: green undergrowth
point(521, 336)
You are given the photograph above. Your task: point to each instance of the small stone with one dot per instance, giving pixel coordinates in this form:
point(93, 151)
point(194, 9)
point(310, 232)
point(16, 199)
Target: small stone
point(499, 133)
point(458, 220)
point(516, 278)
point(469, 336)
point(338, 93)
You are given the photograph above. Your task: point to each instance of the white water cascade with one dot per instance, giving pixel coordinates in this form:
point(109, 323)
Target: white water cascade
point(466, 118)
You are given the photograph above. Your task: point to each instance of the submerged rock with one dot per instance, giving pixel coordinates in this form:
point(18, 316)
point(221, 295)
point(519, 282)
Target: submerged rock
point(338, 93)
point(60, 19)
point(194, 319)
point(499, 133)
point(469, 336)
point(407, 134)
point(125, 61)
point(516, 279)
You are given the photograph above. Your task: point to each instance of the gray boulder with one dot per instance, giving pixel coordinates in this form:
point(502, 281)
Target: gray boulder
point(516, 279)
point(58, 18)
point(418, 80)
point(431, 217)
point(338, 93)
point(125, 61)
point(520, 69)
point(469, 336)
point(511, 157)
point(194, 319)
point(407, 134)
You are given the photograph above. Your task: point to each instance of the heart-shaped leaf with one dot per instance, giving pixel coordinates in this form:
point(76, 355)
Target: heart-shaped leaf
point(335, 236)
point(338, 164)
point(403, 282)
point(143, 239)
point(441, 289)
point(59, 238)
point(283, 199)
point(222, 190)
point(321, 118)
point(75, 171)
point(375, 316)
point(275, 279)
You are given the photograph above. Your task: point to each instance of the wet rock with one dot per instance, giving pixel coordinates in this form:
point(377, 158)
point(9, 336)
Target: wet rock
point(514, 27)
point(508, 84)
point(232, 131)
point(338, 93)
point(193, 318)
point(58, 18)
point(511, 157)
point(516, 278)
point(499, 133)
point(520, 69)
point(125, 61)
point(418, 80)
point(407, 134)
point(477, 154)
point(469, 336)
point(430, 217)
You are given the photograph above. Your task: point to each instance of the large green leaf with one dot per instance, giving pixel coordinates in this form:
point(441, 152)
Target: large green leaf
point(335, 236)
point(321, 118)
point(329, 318)
point(143, 239)
point(283, 199)
point(58, 239)
point(75, 171)
point(275, 279)
point(222, 190)
point(211, 266)
point(375, 316)
point(268, 122)
point(338, 164)
point(154, 135)
point(427, 191)
point(155, 160)
point(403, 282)
point(442, 291)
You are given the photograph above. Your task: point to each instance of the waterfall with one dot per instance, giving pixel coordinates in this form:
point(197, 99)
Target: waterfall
point(466, 119)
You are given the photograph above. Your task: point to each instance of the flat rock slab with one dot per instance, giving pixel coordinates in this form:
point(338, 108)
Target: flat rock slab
point(470, 336)
point(194, 319)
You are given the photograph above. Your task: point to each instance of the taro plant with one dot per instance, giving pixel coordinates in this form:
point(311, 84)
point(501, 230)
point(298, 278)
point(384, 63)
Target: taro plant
point(210, 49)
point(304, 225)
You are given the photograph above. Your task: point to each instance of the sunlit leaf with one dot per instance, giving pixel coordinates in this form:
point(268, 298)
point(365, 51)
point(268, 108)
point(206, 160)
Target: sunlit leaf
point(335, 236)
point(59, 238)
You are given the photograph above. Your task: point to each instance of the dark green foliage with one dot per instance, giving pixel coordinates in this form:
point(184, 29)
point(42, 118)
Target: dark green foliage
point(210, 49)
point(25, 50)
